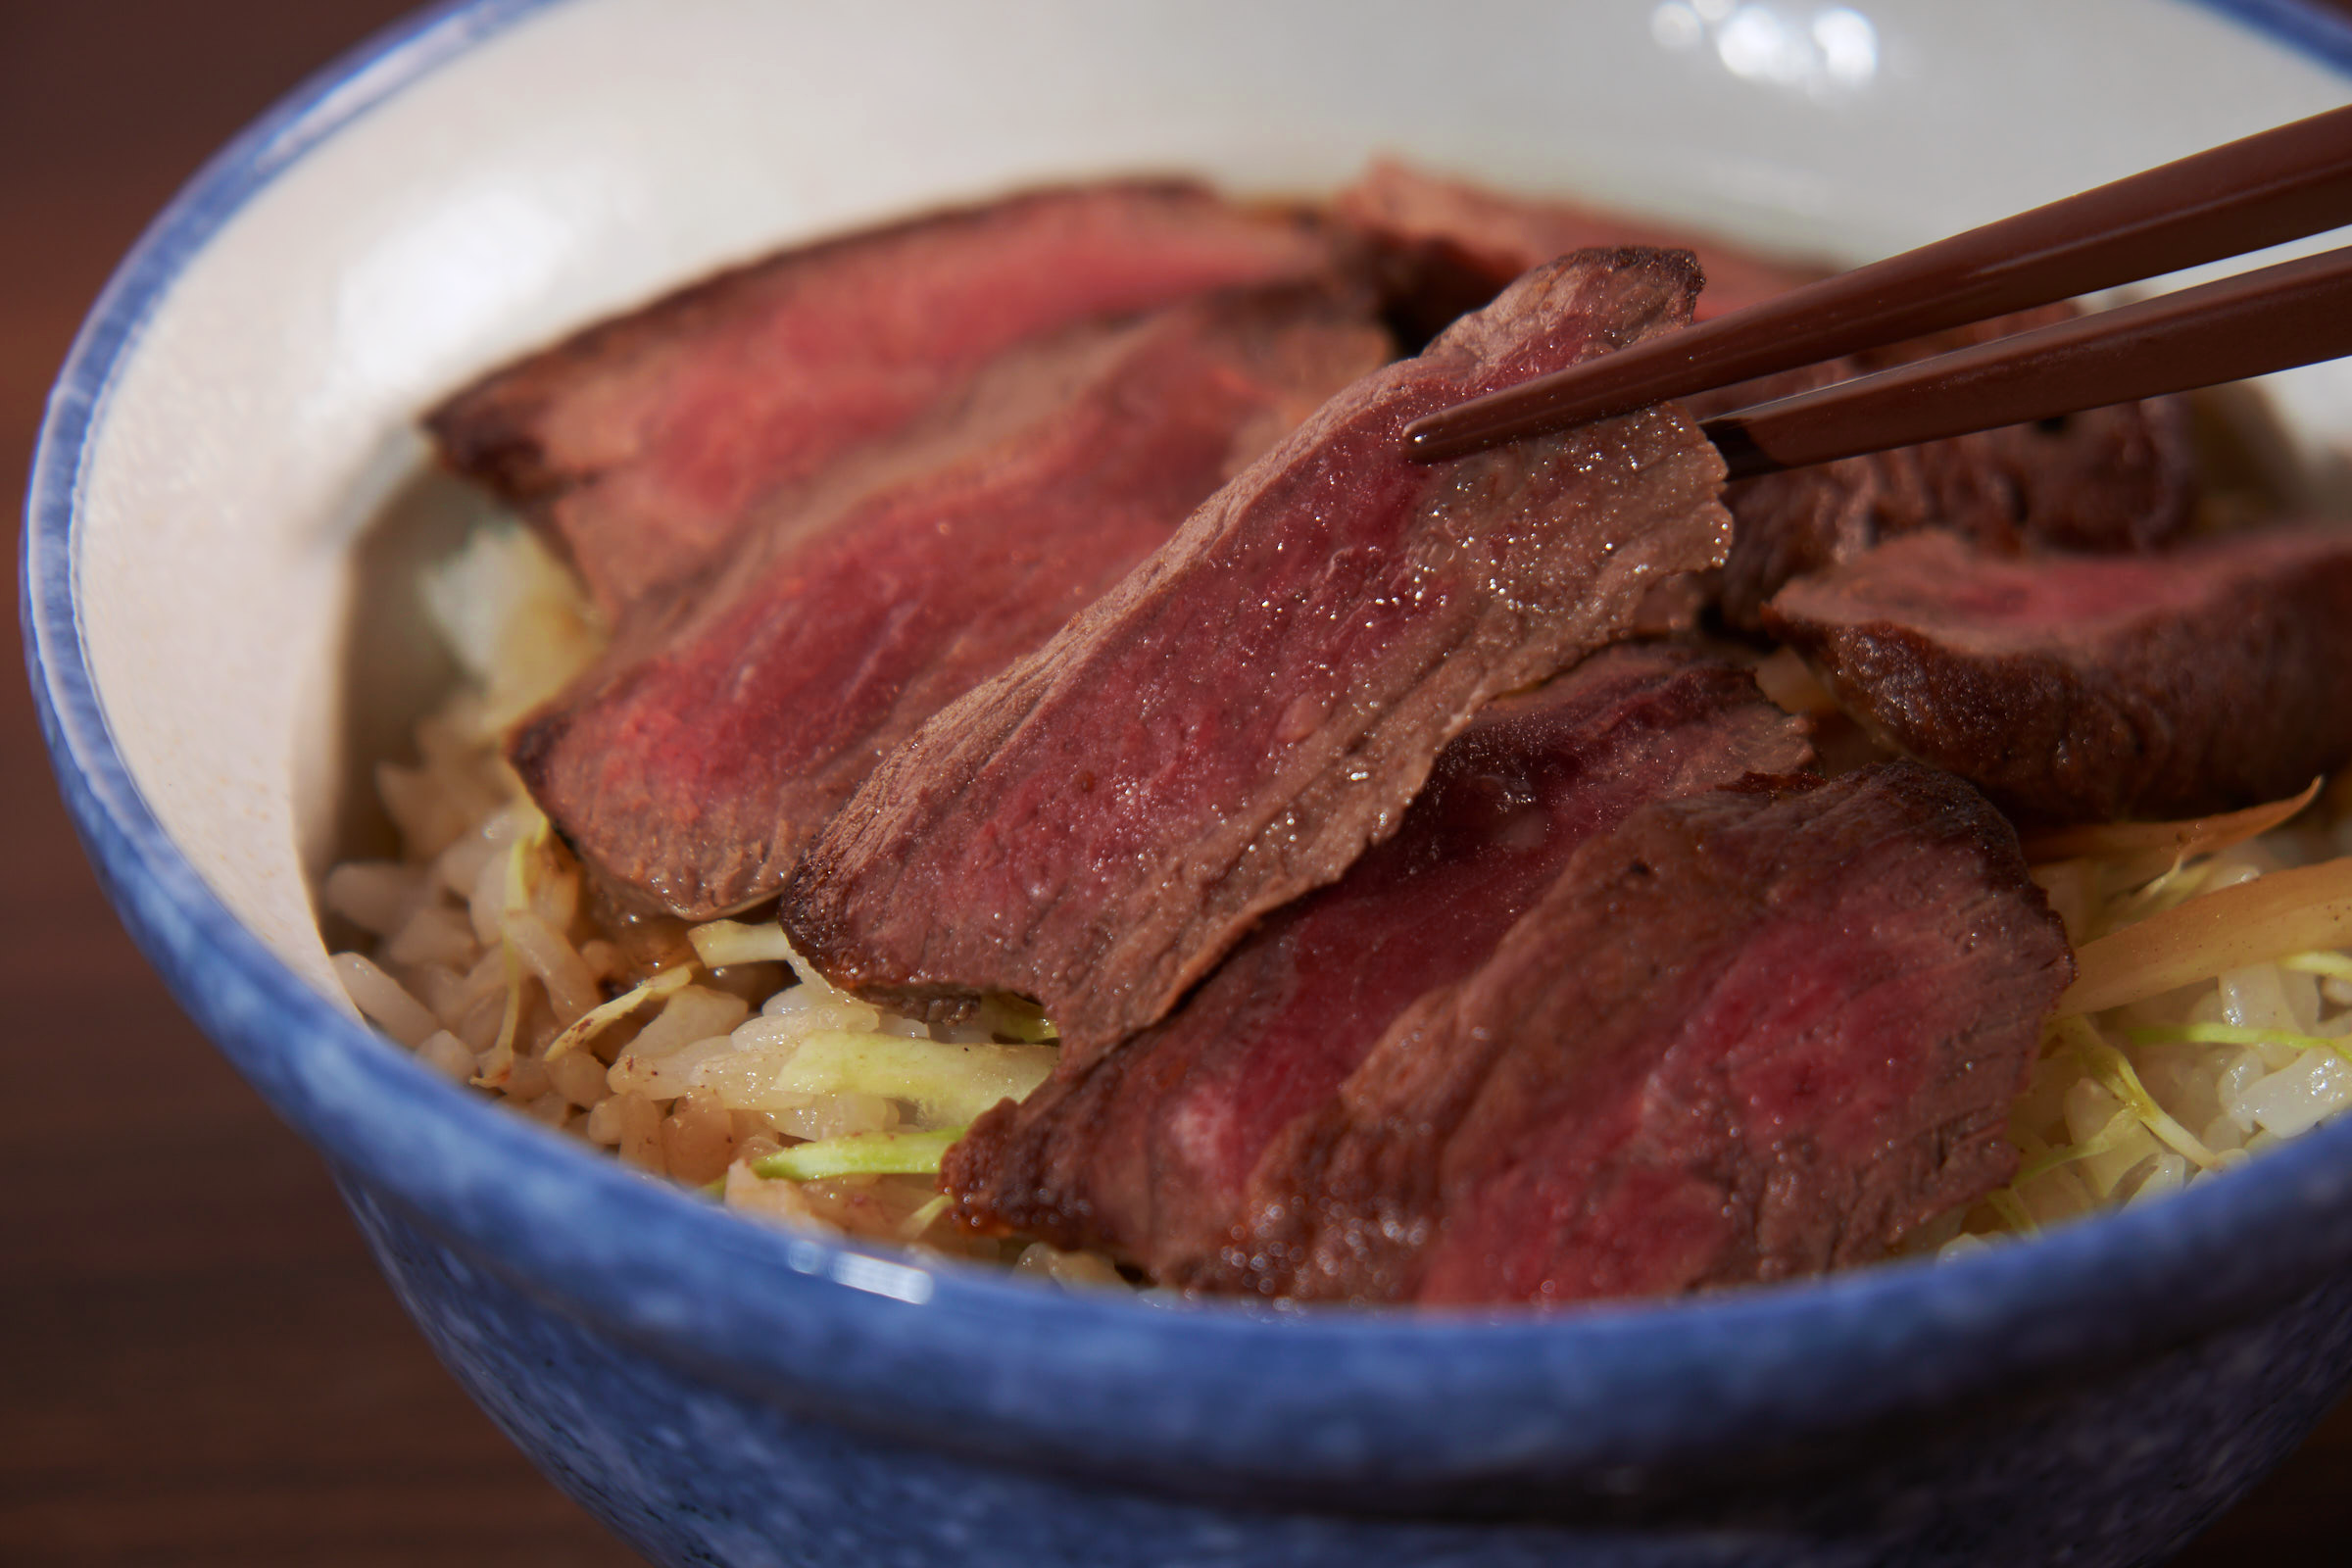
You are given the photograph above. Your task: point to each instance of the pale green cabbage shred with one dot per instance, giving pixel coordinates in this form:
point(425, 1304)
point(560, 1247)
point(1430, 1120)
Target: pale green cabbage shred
point(2143, 1098)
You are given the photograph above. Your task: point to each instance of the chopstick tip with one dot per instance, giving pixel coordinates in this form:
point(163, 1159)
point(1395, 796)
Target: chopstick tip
point(1423, 439)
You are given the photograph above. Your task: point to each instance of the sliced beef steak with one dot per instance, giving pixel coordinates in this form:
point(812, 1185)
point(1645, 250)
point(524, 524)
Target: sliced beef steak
point(1255, 705)
point(732, 716)
point(638, 445)
point(1751, 1034)
point(1450, 246)
point(2114, 479)
point(2096, 688)
point(1146, 1152)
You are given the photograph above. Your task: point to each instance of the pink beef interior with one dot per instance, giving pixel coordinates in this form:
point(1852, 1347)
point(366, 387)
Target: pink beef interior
point(640, 445)
point(694, 764)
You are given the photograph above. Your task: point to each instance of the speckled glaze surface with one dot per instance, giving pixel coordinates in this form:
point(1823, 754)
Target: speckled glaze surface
point(725, 1394)
point(2115, 1468)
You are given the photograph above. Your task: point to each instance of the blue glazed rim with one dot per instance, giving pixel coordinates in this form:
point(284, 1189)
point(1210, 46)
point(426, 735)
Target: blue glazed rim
point(1203, 1394)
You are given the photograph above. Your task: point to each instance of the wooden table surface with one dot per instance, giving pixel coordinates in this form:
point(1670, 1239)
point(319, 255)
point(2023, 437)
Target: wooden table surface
point(198, 1363)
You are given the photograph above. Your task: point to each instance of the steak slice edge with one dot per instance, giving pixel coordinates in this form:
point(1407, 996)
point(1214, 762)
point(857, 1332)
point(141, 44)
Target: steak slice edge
point(735, 713)
point(637, 446)
point(2093, 688)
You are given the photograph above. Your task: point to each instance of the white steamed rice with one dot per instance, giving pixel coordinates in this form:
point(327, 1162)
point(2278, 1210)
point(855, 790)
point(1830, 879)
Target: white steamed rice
point(710, 1054)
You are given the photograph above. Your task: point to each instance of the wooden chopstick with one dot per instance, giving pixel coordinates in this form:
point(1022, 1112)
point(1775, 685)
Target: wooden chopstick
point(2295, 312)
point(2277, 185)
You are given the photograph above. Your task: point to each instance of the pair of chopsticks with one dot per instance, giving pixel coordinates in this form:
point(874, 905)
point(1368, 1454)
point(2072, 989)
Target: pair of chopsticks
point(2278, 185)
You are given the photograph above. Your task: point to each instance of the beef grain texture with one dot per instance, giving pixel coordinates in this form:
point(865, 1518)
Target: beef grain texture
point(1750, 1035)
point(1145, 1153)
point(1255, 705)
point(2089, 689)
point(733, 715)
point(1449, 246)
point(2111, 481)
point(638, 446)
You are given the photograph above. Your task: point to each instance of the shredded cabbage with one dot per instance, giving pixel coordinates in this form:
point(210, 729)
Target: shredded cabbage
point(518, 899)
point(2251, 922)
point(2112, 1068)
point(594, 1021)
point(2199, 1027)
point(947, 1084)
point(862, 1155)
point(719, 943)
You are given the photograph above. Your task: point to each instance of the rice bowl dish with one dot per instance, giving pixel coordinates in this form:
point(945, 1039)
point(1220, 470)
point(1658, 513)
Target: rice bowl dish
point(764, 1298)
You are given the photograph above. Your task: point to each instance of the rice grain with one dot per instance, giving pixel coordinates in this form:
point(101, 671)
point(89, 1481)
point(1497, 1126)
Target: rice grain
point(386, 1001)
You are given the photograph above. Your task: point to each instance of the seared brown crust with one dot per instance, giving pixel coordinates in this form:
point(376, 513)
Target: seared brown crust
point(2120, 479)
point(2090, 688)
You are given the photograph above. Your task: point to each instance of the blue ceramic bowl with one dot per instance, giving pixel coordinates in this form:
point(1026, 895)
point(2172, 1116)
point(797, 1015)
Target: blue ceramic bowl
point(238, 405)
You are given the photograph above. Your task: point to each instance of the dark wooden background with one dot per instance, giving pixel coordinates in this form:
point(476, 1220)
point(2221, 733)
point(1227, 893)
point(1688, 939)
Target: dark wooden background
point(198, 1363)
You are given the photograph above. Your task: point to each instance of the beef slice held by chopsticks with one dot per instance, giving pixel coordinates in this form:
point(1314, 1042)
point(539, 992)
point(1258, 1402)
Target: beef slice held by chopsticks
point(2114, 479)
point(734, 712)
point(639, 445)
point(1249, 710)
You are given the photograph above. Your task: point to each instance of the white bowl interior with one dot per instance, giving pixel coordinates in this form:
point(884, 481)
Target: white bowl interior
point(595, 152)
